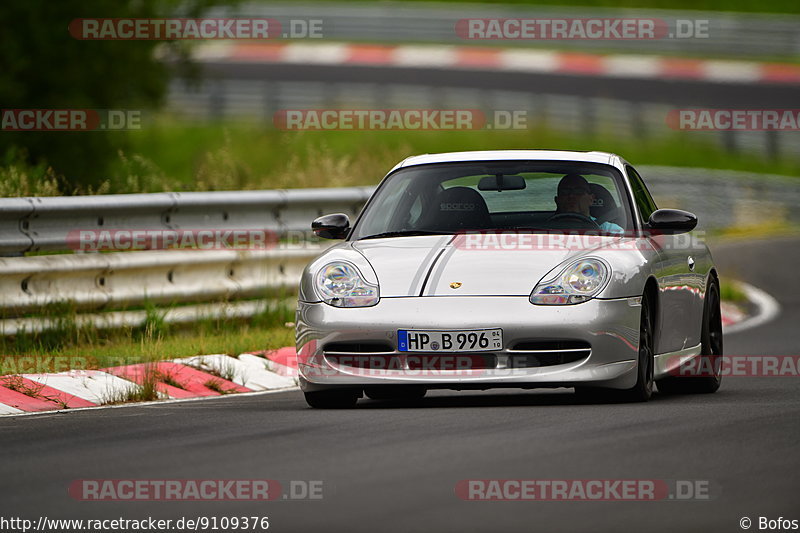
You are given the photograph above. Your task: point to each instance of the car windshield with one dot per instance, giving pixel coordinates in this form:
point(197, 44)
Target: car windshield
point(537, 196)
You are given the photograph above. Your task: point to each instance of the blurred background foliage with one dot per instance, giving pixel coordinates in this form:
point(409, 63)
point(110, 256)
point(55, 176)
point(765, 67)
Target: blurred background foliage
point(43, 66)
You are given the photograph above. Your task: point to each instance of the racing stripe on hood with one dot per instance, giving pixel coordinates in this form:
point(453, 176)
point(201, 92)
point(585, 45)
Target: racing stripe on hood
point(439, 265)
point(426, 265)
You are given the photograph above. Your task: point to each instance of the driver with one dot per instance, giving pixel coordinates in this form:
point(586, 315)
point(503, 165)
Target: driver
point(575, 196)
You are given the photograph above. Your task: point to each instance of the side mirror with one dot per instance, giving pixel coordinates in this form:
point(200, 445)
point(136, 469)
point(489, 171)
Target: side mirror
point(672, 221)
point(334, 226)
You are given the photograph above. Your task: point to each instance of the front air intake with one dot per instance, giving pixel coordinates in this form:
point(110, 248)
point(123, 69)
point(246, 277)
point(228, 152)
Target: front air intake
point(536, 353)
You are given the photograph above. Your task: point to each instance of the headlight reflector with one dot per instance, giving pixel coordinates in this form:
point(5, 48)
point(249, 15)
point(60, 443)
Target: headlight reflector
point(340, 284)
point(577, 283)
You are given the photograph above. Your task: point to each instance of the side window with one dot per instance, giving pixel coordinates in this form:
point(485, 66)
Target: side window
point(388, 207)
point(644, 202)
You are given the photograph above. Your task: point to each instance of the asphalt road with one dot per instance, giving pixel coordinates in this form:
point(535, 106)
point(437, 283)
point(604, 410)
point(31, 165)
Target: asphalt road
point(673, 92)
point(387, 467)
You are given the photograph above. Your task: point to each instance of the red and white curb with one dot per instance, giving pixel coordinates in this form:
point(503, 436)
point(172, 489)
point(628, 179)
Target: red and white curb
point(191, 377)
point(504, 59)
point(766, 309)
point(217, 375)
point(731, 314)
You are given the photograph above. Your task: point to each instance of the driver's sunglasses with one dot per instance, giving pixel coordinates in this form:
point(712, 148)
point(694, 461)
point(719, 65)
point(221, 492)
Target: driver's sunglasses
point(568, 191)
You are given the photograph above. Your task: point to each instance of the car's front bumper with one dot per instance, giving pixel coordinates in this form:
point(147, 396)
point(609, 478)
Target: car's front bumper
point(610, 327)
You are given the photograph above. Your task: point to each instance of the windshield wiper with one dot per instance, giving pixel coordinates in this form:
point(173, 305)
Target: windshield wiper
point(405, 233)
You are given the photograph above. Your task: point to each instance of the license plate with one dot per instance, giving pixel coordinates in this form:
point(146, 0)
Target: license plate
point(471, 340)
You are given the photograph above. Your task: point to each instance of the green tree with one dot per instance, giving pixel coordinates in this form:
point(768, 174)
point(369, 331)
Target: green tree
point(42, 66)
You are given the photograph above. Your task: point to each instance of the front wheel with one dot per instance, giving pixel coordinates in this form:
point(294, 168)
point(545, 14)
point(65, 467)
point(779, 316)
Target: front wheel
point(643, 390)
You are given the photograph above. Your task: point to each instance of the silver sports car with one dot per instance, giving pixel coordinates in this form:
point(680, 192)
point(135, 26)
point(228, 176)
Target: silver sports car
point(519, 268)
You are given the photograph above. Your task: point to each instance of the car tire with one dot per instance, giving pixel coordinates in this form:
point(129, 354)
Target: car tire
point(332, 399)
point(395, 393)
point(643, 390)
point(711, 352)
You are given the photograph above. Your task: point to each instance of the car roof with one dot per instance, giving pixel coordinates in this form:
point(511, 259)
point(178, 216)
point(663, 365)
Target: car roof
point(494, 155)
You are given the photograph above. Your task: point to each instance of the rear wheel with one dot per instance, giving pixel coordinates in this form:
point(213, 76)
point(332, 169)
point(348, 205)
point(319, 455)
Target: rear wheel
point(333, 399)
point(710, 377)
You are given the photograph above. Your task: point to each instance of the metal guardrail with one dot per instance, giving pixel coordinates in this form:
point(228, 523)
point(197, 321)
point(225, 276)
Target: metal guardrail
point(105, 286)
point(91, 282)
point(729, 34)
point(43, 224)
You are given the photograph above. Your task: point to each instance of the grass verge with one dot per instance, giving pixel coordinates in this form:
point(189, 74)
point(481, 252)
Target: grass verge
point(146, 391)
point(730, 291)
point(174, 155)
point(92, 348)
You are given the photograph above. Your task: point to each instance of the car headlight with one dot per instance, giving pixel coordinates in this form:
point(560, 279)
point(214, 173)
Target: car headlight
point(340, 284)
point(577, 283)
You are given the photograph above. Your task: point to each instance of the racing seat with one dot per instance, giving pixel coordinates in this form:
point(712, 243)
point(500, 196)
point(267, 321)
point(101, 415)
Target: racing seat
point(603, 208)
point(459, 208)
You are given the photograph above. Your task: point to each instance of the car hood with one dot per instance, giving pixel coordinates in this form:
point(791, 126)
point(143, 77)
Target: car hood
point(483, 265)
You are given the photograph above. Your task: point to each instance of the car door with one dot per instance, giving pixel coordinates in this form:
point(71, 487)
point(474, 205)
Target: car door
point(679, 286)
